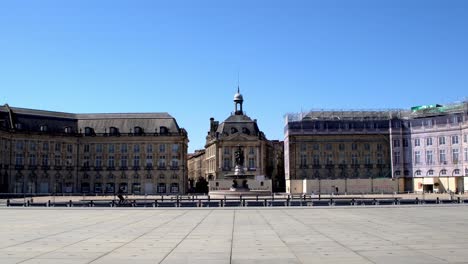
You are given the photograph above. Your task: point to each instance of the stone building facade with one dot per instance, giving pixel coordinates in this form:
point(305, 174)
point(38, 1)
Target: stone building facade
point(262, 156)
point(54, 152)
point(423, 149)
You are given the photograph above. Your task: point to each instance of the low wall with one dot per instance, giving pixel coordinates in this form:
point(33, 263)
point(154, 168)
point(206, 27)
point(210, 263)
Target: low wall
point(351, 186)
point(255, 185)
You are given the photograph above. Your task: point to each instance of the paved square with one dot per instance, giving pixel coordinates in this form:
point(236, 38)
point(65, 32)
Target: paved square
point(419, 234)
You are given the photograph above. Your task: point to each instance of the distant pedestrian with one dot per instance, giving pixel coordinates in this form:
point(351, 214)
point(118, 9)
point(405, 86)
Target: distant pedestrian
point(120, 195)
point(336, 189)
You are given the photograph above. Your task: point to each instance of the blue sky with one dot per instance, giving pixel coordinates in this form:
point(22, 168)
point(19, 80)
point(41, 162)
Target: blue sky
point(184, 57)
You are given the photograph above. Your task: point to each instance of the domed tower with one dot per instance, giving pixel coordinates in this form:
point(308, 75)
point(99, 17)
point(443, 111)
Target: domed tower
point(238, 100)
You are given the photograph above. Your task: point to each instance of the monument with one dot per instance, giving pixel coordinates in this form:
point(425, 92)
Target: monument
point(239, 173)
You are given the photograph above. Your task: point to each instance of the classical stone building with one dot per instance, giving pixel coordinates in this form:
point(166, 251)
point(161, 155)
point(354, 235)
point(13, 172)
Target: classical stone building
point(54, 152)
point(196, 172)
point(378, 151)
point(262, 157)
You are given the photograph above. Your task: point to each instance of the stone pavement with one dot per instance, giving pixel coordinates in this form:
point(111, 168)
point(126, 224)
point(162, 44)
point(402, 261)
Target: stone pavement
point(420, 234)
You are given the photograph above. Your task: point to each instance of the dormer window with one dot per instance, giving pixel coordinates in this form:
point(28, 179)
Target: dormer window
point(245, 131)
point(19, 126)
point(113, 131)
point(163, 130)
point(43, 128)
point(138, 131)
point(68, 130)
point(89, 131)
point(233, 130)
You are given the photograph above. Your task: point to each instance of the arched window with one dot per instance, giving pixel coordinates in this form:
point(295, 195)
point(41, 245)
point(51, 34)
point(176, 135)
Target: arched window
point(113, 131)
point(233, 130)
point(43, 128)
point(163, 130)
point(245, 131)
point(89, 131)
point(418, 173)
point(68, 130)
point(138, 131)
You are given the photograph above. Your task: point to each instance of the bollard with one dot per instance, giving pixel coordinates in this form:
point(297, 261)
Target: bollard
point(113, 203)
point(437, 200)
point(265, 203)
point(417, 200)
point(91, 204)
point(48, 203)
point(353, 202)
point(257, 198)
point(8, 202)
point(70, 203)
point(396, 201)
point(177, 205)
point(375, 202)
point(458, 199)
point(209, 198)
point(27, 203)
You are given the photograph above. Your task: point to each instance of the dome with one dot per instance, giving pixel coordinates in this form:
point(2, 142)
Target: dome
point(238, 97)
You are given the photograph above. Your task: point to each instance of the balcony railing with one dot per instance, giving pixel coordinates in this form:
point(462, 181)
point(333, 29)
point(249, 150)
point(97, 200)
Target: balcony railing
point(174, 167)
point(161, 167)
point(19, 167)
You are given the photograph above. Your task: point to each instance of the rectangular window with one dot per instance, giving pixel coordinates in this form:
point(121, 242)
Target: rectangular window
point(367, 159)
point(99, 148)
point(149, 148)
point(315, 146)
point(367, 146)
point(341, 146)
point(175, 161)
point(303, 160)
point(111, 162)
point(86, 161)
point(455, 156)
point(417, 157)
point(227, 164)
point(316, 159)
point(58, 146)
point(303, 147)
point(45, 146)
point(162, 162)
point(429, 157)
point(465, 154)
point(162, 148)
point(251, 163)
point(58, 160)
point(379, 147)
point(328, 146)
point(465, 138)
point(149, 160)
point(226, 151)
point(98, 161)
point(136, 160)
point(329, 159)
point(19, 145)
point(32, 146)
point(417, 142)
point(124, 148)
point(123, 161)
point(396, 157)
point(86, 148)
point(454, 139)
point(175, 147)
point(111, 148)
point(354, 146)
point(19, 159)
point(69, 160)
point(252, 150)
point(32, 159)
point(441, 140)
point(45, 160)
point(429, 141)
point(136, 148)
point(442, 158)
point(69, 148)
point(354, 159)
point(396, 143)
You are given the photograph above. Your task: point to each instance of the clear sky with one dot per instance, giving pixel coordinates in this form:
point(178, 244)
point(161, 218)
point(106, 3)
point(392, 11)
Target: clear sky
point(184, 57)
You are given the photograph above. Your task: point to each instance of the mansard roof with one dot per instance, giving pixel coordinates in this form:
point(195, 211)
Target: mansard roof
point(33, 120)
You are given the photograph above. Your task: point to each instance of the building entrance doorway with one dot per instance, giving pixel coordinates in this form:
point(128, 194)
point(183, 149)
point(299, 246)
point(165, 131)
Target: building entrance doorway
point(428, 187)
point(460, 184)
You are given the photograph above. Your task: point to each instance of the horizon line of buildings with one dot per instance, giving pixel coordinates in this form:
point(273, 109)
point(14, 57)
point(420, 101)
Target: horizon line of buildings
point(421, 149)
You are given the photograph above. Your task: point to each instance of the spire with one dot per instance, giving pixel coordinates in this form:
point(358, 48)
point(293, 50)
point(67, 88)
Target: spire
point(238, 90)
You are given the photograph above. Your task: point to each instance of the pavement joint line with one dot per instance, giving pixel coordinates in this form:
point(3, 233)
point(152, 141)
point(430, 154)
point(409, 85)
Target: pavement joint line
point(282, 240)
point(185, 237)
point(59, 233)
point(120, 226)
point(327, 236)
point(376, 234)
point(232, 235)
point(151, 230)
